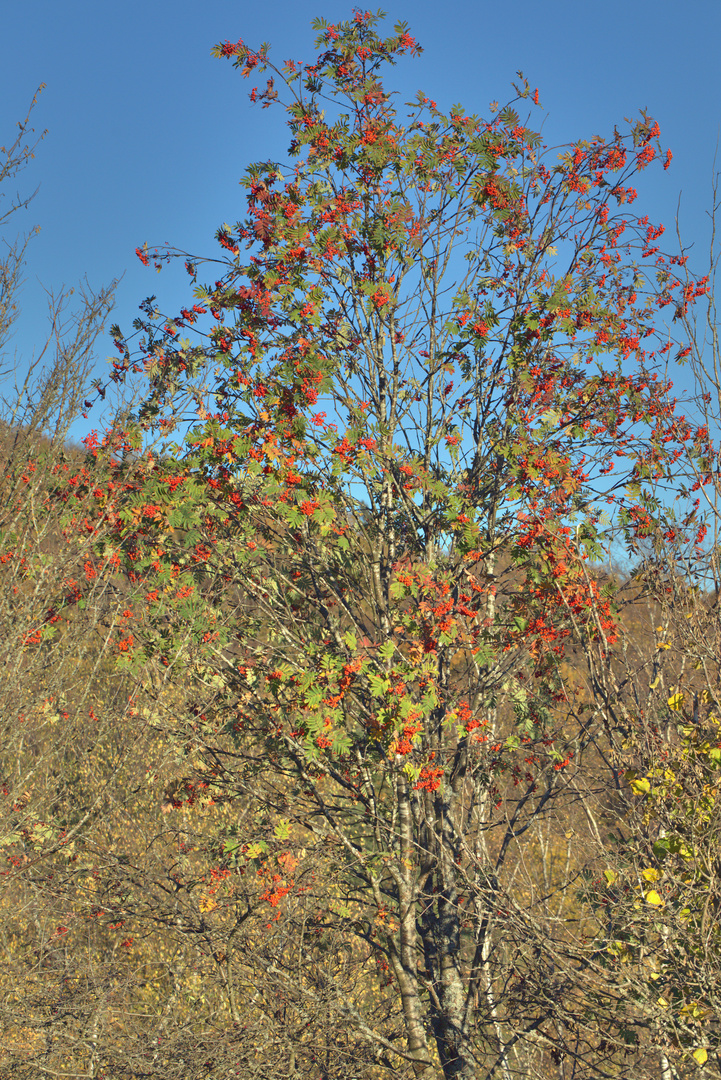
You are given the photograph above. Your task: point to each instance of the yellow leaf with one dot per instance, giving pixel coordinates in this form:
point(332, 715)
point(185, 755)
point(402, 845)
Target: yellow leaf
point(675, 702)
point(652, 897)
point(654, 684)
point(650, 874)
point(641, 787)
point(700, 1056)
point(663, 645)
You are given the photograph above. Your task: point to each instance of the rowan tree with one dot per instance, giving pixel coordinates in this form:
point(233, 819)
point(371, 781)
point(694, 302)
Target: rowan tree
point(424, 385)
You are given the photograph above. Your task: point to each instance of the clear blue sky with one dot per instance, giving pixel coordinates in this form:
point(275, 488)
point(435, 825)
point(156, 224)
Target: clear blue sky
point(148, 134)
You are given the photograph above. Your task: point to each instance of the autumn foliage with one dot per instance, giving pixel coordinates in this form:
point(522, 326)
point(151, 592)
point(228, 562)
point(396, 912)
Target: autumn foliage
point(351, 530)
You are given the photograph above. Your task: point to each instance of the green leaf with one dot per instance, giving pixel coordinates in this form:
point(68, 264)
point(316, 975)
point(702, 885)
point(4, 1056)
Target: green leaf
point(378, 685)
point(282, 829)
point(661, 848)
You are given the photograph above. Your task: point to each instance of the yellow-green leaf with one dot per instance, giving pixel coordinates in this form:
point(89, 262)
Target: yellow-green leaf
point(650, 874)
point(700, 1056)
point(652, 897)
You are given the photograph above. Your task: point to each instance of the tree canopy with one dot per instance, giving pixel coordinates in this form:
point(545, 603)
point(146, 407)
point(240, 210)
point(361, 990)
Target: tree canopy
point(351, 530)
